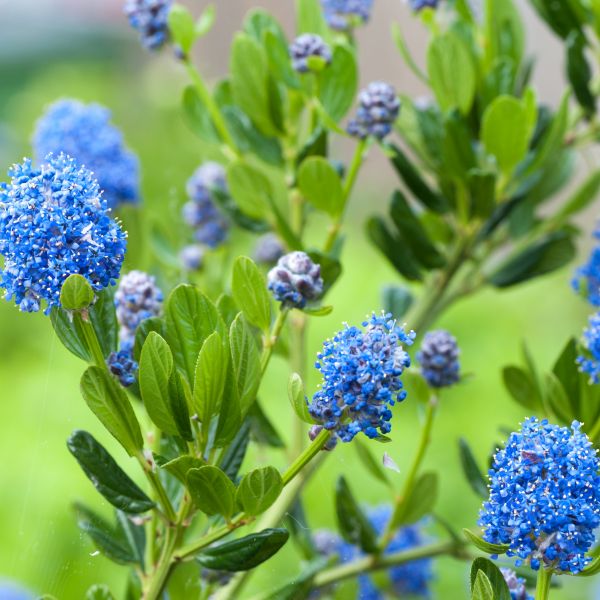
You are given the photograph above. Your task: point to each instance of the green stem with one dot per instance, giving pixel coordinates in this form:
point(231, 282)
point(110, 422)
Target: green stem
point(211, 105)
point(307, 455)
point(542, 589)
point(158, 488)
point(92, 339)
point(383, 561)
point(349, 181)
point(412, 475)
point(271, 339)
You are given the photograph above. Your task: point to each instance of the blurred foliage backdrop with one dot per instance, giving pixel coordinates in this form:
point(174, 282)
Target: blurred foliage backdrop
point(40, 545)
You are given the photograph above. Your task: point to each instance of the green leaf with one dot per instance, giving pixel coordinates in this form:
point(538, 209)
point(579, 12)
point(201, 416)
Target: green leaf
point(352, 522)
point(579, 71)
point(108, 401)
point(250, 293)
point(504, 32)
point(521, 386)
point(370, 464)
point(564, 408)
point(583, 196)
point(338, 83)
point(494, 575)
point(98, 592)
point(484, 546)
point(205, 21)
point(180, 466)
point(156, 366)
point(482, 192)
point(318, 311)
point(549, 253)
point(418, 503)
point(250, 189)
point(197, 116)
point(278, 56)
point(250, 80)
point(471, 470)
point(482, 588)
point(181, 27)
point(262, 430)
point(297, 398)
point(415, 183)
point(70, 332)
point(393, 249)
point(244, 553)
point(451, 72)
point(76, 293)
point(227, 308)
point(180, 398)
point(560, 16)
point(413, 234)
point(258, 490)
point(505, 132)
point(212, 491)
point(211, 373)
point(320, 184)
point(232, 458)
point(565, 369)
point(106, 475)
point(191, 317)
point(396, 300)
point(310, 19)
point(245, 361)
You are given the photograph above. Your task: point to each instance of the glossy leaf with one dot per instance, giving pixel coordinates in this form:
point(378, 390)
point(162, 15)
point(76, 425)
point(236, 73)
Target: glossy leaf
point(396, 300)
point(110, 404)
point(258, 490)
point(419, 502)
point(494, 575)
point(520, 386)
point(181, 27)
point(250, 188)
point(310, 18)
point(212, 491)
point(244, 553)
point(70, 332)
point(371, 465)
point(338, 83)
point(297, 397)
point(76, 293)
point(320, 184)
point(245, 361)
point(471, 470)
point(250, 293)
point(352, 522)
point(106, 475)
point(579, 71)
point(484, 546)
point(262, 430)
point(180, 466)
point(232, 458)
point(99, 592)
point(482, 588)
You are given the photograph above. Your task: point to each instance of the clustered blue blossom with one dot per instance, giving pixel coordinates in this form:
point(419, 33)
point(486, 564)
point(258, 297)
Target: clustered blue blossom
point(306, 46)
point(268, 249)
point(137, 298)
point(122, 365)
point(54, 223)
point(361, 370)
point(439, 359)
point(201, 213)
point(345, 14)
point(418, 5)
point(377, 111)
point(192, 257)
point(295, 280)
point(410, 579)
point(516, 585)
point(591, 338)
point(84, 132)
point(150, 19)
point(544, 497)
point(587, 277)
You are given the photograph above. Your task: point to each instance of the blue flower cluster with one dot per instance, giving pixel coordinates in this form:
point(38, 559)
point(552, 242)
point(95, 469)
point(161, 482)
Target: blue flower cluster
point(84, 132)
point(306, 46)
point(150, 18)
point(54, 223)
point(439, 359)
point(137, 298)
point(516, 585)
point(122, 365)
point(591, 339)
point(587, 277)
point(192, 257)
point(418, 5)
point(377, 111)
point(345, 14)
point(295, 280)
point(200, 213)
point(361, 370)
point(544, 496)
point(411, 579)
point(268, 249)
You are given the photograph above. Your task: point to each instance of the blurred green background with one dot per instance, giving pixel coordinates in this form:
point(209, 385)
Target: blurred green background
point(40, 545)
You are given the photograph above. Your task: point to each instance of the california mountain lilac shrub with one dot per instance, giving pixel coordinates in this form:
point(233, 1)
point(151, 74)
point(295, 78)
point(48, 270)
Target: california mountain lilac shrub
point(175, 358)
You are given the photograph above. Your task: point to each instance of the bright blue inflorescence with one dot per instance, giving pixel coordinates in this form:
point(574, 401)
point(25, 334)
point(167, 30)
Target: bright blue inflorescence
point(418, 5)
point(587, 277)
point(591, 338)
point(544, 496)
point(439, 359)
point(408, 580)
point(305, 46)
point(123, 367)
point(54, 223)
point(200, 212)
point(345, 14)
point(377, 111)
point(268, 249)
point(516, 585)
point(295, 280)
point(150, 18)
point(137, 298)
point(361, 370)
point(84, 132)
